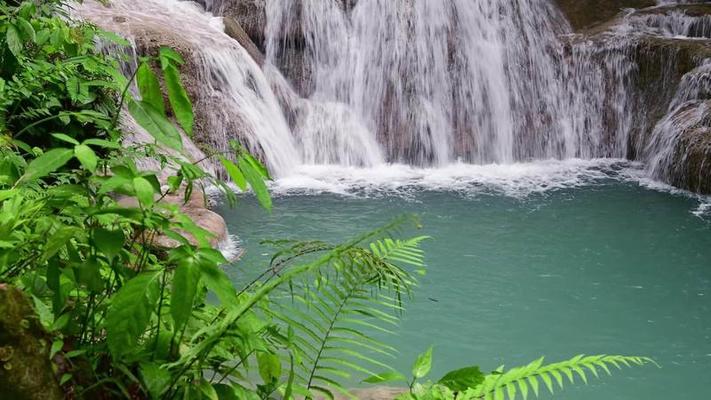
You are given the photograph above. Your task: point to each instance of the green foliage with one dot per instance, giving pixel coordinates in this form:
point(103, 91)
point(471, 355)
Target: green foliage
point(517, 383)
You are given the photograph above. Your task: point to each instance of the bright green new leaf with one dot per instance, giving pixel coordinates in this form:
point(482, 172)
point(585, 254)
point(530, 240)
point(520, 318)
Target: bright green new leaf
point(14, 43)
point(269, 367)
point(179, 100)
point(130, 312)
point(47, 163)
point(144, 191)
point(234, 173)
point(423, 364)
point(185, 284)
point(462, 379)
point(256, 181)
point(86, 157)
point(65, 138)
point(384, 377)
point(149, 87)
point(155, 124)
point(169, 57)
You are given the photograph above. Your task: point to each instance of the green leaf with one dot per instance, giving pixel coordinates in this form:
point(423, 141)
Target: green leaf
point(155, 378)
point(269, 367)
point(27, 29)
point(384, 377)
point(86, 157)
point(130, 312)
point(65, 138)
point(109, 242)
point(155, 124)
point(185, 284)
point(14, 43)
point(144, 191)
point(234, 173)
point(179, 100)
point(217, 281)
point(423, 364)
point(149, 87)
point(47, 163)
point(102, 143)
point(462, 379)
point(89, 275)
point(256, 181)
point(169, 57)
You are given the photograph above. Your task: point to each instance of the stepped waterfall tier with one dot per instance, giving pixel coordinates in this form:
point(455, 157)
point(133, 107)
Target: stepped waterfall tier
point(429, 83)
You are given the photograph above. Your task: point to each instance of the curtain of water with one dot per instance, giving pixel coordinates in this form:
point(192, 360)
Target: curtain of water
point(420, 82)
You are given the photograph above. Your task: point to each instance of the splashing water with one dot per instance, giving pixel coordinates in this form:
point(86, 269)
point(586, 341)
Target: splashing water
point(420, 83)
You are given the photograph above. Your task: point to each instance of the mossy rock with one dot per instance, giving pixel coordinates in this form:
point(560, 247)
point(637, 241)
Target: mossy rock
point(25, 369)
point(586, 13)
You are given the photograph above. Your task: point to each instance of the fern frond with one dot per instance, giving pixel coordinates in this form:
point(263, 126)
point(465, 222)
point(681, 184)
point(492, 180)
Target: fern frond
point(529, 378)
point(335, 313)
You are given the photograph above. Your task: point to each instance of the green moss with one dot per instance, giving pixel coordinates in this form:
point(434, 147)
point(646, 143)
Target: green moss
point(25, 368)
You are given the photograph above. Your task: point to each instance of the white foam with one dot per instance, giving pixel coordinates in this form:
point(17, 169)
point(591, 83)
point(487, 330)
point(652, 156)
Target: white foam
point(515, 180)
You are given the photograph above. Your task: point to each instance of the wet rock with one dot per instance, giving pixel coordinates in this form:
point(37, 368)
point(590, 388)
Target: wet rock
point(235, 31)
point(25, 369)
point(586, 13)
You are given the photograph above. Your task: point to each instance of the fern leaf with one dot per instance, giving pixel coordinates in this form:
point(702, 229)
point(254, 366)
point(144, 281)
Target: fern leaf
point(527, 379)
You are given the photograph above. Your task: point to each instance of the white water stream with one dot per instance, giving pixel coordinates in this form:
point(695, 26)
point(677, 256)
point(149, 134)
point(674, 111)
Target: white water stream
point(428, 84)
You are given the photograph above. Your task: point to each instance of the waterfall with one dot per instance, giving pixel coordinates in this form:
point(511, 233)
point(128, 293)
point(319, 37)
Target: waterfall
point(366, 83)
point(435, 81)
point(231, 93)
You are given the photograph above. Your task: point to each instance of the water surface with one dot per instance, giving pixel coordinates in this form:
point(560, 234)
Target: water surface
point(603, 267)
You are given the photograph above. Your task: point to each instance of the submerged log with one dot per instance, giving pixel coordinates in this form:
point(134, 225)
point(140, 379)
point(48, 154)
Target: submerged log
point(25, 369)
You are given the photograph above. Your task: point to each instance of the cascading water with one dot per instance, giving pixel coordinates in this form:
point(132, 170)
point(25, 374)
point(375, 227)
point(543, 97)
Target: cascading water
point(231, 89)
point(437, 81)
point(418, 82)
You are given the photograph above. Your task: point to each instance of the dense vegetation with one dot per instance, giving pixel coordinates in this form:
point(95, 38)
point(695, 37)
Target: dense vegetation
point(129, 318)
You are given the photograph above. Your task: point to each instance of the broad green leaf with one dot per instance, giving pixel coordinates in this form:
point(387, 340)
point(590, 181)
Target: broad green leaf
point(269, 367)
point(217, 281)
point(179, 100)
point(155, 378)
point(234, 173)
point(462, 379)
point(257, 165)
point(14, 43)
point(185, 284)
point(423, 364)
point(155, 124)
point(169, 57)
point(208, 392)
point(130, 312)
point(86, 157)
point(47, 163)
point(109, 242)
point(144, 191)
point(384, 377)
point(65, 138)
point(256, 181)
point(149, 87)
point(27, 29)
